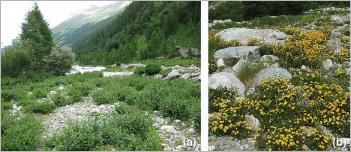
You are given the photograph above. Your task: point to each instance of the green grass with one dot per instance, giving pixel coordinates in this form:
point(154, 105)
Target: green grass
point(248, 70)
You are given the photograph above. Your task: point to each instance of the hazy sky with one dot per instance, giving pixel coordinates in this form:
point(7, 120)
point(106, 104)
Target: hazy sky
point(13, 14)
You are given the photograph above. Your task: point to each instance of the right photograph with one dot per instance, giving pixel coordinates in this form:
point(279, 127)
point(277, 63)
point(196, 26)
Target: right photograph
point(279, 76)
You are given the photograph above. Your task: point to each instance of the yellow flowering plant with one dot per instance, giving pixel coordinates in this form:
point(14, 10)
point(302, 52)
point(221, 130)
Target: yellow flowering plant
point(253, 41)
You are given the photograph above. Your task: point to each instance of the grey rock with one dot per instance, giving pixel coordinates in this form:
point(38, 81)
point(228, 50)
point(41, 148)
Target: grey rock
point(237, 52)
point(116, 74)
point(269, 58)
point(270, 72)
point(280, 35)
point(220, 63)
point(253, 122)
point(243, 35)
point(172, 74)
point(168, 128)
point(335, 44)
point(327, 64)
point(186, 76)
point(306, 68)
point(228, 80)
point(195, 51)
point(184, 52)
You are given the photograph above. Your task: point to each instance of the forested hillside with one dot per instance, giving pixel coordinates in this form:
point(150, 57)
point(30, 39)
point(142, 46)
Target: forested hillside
point(144, 30)
point(86, 22)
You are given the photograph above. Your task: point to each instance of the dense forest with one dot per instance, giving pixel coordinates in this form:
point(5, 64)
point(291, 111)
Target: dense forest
point(144, 30)
point(238, 11)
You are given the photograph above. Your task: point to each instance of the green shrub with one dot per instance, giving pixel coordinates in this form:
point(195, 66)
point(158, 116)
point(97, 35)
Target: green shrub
point(165, 72)
point(127, 132)
point(39, 93)
point(43, 107)
point(78, 91)
point(77, 137)
point(103, 97)
point(122, 108)
point(7, 94)
point(14, 60)
point(219, 93)
point(139, 71)
point(266, 49)
point(20, 134)
point(61, 99)
point(59, 61)
point(151, 69)
point(135, 123)
point(175, 107)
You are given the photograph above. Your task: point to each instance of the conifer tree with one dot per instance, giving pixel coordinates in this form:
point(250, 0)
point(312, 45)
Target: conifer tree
point(36, 34)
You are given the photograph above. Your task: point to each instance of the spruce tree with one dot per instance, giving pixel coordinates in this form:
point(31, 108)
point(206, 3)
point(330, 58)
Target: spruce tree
point(36, 34)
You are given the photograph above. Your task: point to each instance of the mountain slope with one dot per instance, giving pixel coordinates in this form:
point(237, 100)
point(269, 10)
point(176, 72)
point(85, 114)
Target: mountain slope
point(86, 22)
point(143, 30)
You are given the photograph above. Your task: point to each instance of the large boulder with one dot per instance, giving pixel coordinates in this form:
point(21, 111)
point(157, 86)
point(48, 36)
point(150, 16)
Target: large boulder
point(243, 35)
point(327, 64)
point(253, 122)
point(227, 80)
point(237, 52)
point(271, 72)
point(220, 63)
point(183, 52)
point(195, 52)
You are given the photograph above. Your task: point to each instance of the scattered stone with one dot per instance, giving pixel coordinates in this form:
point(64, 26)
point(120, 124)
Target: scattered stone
point(116, 74)
point(335, 44)
point(75, 112)
point(303, 67)
point(269, 58)
point(186, 76)
point(325, 131)
point(226, 143)
point(130, 66)
point(15, 109)
point(84, 69)
point(271, 72)
point(172, 74)
point(237, 52)
point(228, 80)
point(339, 19)
point(158, 76)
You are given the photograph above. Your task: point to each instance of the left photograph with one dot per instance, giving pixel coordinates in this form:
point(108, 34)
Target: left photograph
point(100, 76)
